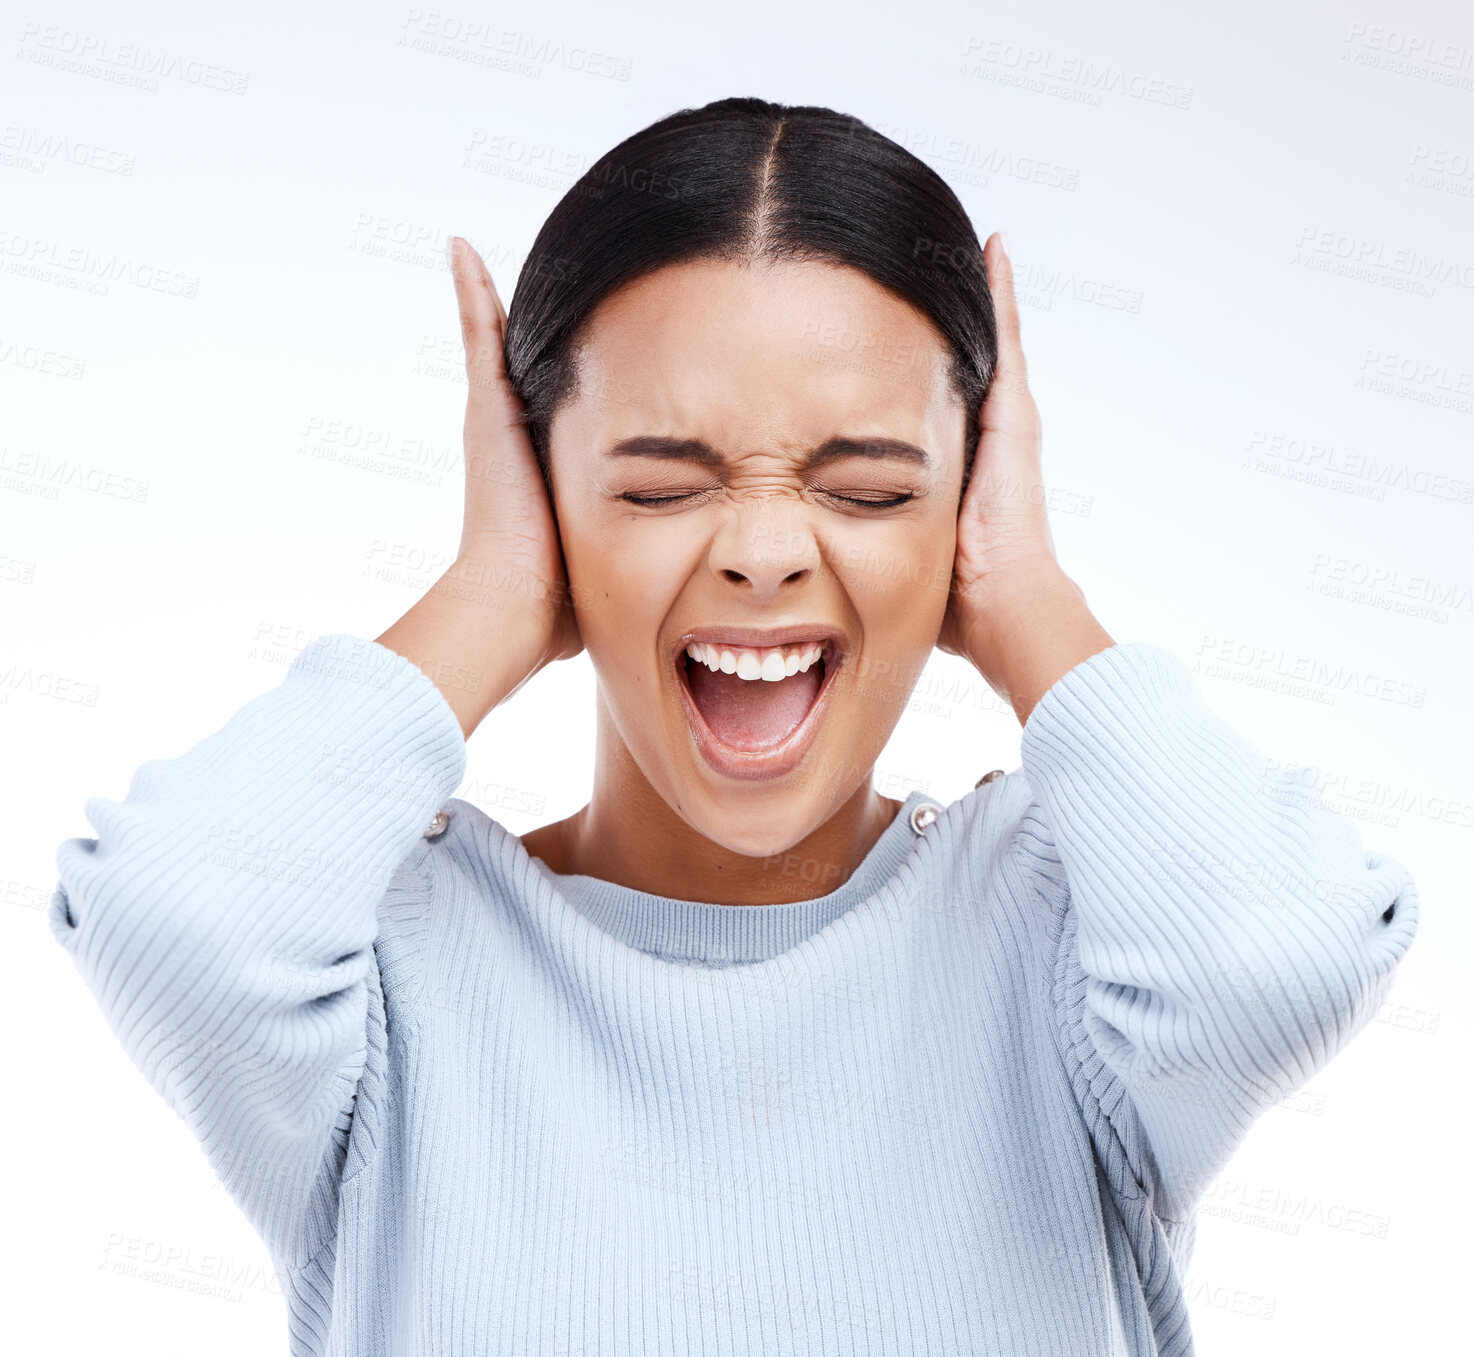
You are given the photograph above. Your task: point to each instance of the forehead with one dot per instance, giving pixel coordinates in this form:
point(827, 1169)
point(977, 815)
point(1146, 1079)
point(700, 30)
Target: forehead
point(761, 354)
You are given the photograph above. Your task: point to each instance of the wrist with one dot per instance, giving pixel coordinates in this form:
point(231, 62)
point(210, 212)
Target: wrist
point(469, 639)
point(1032, 631)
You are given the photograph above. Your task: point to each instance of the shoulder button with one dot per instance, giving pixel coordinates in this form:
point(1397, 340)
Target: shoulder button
point(437, 825)
point(923, 814)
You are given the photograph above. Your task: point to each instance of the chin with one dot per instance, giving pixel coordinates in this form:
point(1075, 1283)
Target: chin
point(759, 822)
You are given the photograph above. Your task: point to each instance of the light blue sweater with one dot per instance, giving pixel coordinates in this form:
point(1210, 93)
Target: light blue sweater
point(964, 1104)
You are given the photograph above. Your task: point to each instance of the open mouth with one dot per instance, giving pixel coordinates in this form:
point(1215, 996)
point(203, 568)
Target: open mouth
point(755, 699)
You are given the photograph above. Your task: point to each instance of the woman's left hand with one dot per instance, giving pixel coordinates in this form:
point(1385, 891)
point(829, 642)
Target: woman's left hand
point(1005, 571)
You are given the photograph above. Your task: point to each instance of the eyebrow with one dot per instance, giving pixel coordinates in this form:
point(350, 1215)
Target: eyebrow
point(694, 450)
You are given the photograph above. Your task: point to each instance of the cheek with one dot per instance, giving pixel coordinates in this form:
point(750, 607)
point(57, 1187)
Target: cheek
point(898, 577)
point(623, 581)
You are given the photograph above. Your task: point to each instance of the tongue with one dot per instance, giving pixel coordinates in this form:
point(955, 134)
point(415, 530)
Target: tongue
point(752, 713)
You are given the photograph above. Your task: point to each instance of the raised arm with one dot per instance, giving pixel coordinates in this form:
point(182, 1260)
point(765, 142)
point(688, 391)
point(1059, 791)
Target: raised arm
point(224, 917)
point(1220, 939)
point(225, 914)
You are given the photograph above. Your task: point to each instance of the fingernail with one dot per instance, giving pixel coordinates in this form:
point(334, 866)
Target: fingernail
point(1003, 241)
point(450, 251)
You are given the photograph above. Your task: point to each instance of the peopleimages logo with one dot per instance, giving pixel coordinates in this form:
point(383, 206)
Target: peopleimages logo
point(1411, 46)
point(48, 261)
point(1373, 260)
point(128, 63)
point(489, 44)
point(1078, 79)
point(29, 148)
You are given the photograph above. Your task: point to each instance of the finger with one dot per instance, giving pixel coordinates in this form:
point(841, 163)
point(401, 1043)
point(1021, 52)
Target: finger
point(1008, 396)
point(490, 401)
point(477, 313)
point(1005, 298)
point(501, 311)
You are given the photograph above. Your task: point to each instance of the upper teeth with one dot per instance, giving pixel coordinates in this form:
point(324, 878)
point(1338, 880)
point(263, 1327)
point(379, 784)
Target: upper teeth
point(771, 663)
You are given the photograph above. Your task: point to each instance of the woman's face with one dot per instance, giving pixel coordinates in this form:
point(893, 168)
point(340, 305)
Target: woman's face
point(775, 410)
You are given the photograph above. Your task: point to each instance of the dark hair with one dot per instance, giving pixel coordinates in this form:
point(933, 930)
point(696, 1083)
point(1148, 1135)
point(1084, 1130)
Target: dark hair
point(748, 180)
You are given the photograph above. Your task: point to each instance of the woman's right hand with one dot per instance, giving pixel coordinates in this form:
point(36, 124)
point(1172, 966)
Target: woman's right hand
point(503, 610)
point(508, 522)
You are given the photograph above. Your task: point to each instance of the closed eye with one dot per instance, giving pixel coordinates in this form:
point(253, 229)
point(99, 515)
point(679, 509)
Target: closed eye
point(873, 503)
point(864, 502)
point(658, 499)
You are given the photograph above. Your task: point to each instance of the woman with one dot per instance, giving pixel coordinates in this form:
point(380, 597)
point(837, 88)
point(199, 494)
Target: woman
point(743, 1056)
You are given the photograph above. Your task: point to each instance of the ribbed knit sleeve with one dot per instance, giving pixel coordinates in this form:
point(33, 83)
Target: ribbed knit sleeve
point(1224, 935)
point(224, 916)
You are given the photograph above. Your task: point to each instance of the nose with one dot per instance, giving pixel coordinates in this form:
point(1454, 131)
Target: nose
point(763, 545)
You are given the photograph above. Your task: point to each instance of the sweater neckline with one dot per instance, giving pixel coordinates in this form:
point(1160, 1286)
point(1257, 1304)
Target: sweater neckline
point(701, 933)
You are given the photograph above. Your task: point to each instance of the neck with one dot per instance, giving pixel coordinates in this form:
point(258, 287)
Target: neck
point(630, 836)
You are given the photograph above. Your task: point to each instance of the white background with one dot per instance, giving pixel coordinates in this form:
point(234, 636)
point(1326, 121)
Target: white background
point(1246, 246)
